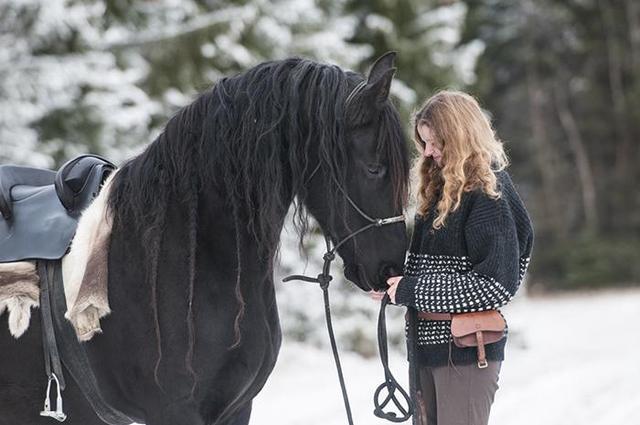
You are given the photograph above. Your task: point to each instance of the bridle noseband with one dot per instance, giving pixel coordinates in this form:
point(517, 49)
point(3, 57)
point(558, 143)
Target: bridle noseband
point(373, 222)
point(324, 278)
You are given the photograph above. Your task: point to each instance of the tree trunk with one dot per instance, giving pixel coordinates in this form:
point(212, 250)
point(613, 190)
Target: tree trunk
point(633, 19)
point(623, 145)
point(583, 164)
point(544, 153)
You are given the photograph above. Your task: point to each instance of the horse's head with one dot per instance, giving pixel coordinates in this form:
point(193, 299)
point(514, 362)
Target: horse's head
point(371, 182)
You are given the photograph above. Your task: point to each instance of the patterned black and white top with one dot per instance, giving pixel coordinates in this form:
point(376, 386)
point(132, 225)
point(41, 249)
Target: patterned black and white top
point(475, 262)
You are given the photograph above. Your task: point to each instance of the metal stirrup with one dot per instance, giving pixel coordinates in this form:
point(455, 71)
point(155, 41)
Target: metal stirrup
point(58, 414)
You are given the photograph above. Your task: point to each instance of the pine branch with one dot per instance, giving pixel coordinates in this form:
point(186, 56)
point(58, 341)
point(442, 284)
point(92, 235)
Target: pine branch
point(196, 24)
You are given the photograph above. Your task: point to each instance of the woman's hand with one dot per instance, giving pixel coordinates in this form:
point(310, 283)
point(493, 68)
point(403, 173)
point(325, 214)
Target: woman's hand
point(393, 285)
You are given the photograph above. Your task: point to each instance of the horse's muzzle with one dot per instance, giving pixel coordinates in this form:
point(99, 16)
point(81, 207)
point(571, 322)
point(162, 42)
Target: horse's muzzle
point(388, 270)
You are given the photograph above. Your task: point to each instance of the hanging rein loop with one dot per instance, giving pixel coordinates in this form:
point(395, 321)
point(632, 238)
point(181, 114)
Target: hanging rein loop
point(323, 279)
point(390, 383)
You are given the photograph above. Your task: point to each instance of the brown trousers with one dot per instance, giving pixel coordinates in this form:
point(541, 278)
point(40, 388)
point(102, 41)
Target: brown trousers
point(457, 395)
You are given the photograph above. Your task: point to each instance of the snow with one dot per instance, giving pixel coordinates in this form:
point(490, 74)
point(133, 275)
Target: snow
point(570, 360)
point(269, 28)
point(379, 23)
point(464, 61)
point(554, 374)
point(351, 310)
point(170, 30)
point(403, 92)
point(442, 26)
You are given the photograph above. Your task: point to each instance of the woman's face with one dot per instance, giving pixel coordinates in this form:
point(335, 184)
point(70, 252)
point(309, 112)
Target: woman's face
point(431, 148)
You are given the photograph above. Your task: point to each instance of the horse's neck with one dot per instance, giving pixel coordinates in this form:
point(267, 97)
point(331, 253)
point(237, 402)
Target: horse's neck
point(219, 230)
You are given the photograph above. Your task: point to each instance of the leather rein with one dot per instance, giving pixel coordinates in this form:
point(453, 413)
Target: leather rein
point(323, 279)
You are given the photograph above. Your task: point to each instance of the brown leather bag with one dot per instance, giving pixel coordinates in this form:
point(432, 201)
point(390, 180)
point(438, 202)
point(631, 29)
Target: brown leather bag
point(477, 329)
point(473, 329)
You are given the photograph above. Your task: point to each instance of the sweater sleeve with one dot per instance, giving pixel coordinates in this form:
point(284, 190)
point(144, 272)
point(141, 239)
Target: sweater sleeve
point(494, 272)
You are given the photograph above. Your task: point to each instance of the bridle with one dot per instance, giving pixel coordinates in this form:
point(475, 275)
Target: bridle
point(373, 222)
point(324, 278)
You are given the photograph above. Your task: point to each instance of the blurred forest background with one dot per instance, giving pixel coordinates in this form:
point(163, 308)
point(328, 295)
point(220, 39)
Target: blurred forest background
point(561, 79)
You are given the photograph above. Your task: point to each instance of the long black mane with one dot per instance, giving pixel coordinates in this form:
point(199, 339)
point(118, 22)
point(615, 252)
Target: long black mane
point(255, 138)
point(252, 136)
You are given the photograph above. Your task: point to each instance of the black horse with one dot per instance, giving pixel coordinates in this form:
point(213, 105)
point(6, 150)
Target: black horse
point(194, 332)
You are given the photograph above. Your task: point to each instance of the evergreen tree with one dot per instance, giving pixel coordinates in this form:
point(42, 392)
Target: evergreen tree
point(563, 93)
point(103, 76)
point(424, 33)
point(59, 93)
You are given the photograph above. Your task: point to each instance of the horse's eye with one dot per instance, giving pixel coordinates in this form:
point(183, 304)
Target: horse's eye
point(375, 169)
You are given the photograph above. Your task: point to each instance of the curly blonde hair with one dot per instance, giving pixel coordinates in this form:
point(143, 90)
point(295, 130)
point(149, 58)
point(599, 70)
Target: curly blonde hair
point(471, 153)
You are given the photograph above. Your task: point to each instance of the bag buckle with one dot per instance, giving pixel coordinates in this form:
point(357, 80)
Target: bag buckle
point(482, 364)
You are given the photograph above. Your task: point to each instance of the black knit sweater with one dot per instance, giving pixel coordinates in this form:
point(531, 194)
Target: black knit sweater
point(475, 262)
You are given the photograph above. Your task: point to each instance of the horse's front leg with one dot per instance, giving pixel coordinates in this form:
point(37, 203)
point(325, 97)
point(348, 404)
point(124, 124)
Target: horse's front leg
point(175, 413)
point(242, 417)
point(185, 414)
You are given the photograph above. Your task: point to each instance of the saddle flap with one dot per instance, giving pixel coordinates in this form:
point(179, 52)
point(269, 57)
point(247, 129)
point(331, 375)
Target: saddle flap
point(13, 175)
point(40, 227)
point(40, 208)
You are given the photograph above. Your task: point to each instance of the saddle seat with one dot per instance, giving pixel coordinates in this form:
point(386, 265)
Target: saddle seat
point(40, 208)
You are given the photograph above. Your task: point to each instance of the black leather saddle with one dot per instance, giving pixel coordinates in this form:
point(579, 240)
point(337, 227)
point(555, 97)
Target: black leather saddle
point(40, 208)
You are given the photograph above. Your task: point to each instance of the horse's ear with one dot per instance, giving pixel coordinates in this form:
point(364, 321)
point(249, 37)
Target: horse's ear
point(382, 65)
point(377, 91)
point(371, 97)
point(366, 100)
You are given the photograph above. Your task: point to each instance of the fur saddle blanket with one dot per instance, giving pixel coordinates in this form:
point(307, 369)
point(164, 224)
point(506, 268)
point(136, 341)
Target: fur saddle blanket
point(84, 270)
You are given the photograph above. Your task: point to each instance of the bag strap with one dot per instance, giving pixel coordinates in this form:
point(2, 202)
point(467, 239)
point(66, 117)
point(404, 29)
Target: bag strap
point(482, 357)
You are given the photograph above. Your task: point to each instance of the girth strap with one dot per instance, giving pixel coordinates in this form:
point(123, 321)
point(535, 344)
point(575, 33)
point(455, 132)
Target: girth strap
point(71, 352)
point(52, 364)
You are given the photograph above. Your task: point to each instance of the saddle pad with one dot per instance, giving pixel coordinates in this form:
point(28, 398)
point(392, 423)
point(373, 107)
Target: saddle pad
point(19, 292)
point(85, 268)
point(85, 276)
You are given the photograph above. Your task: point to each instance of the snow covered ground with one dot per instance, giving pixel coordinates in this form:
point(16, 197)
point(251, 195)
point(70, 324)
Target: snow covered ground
point(570, 360)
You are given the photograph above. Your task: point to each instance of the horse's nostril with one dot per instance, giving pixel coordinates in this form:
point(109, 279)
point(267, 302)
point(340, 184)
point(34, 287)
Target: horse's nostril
point(389, 270)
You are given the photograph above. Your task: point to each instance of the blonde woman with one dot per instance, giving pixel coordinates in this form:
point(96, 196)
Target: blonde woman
point(469, 252)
